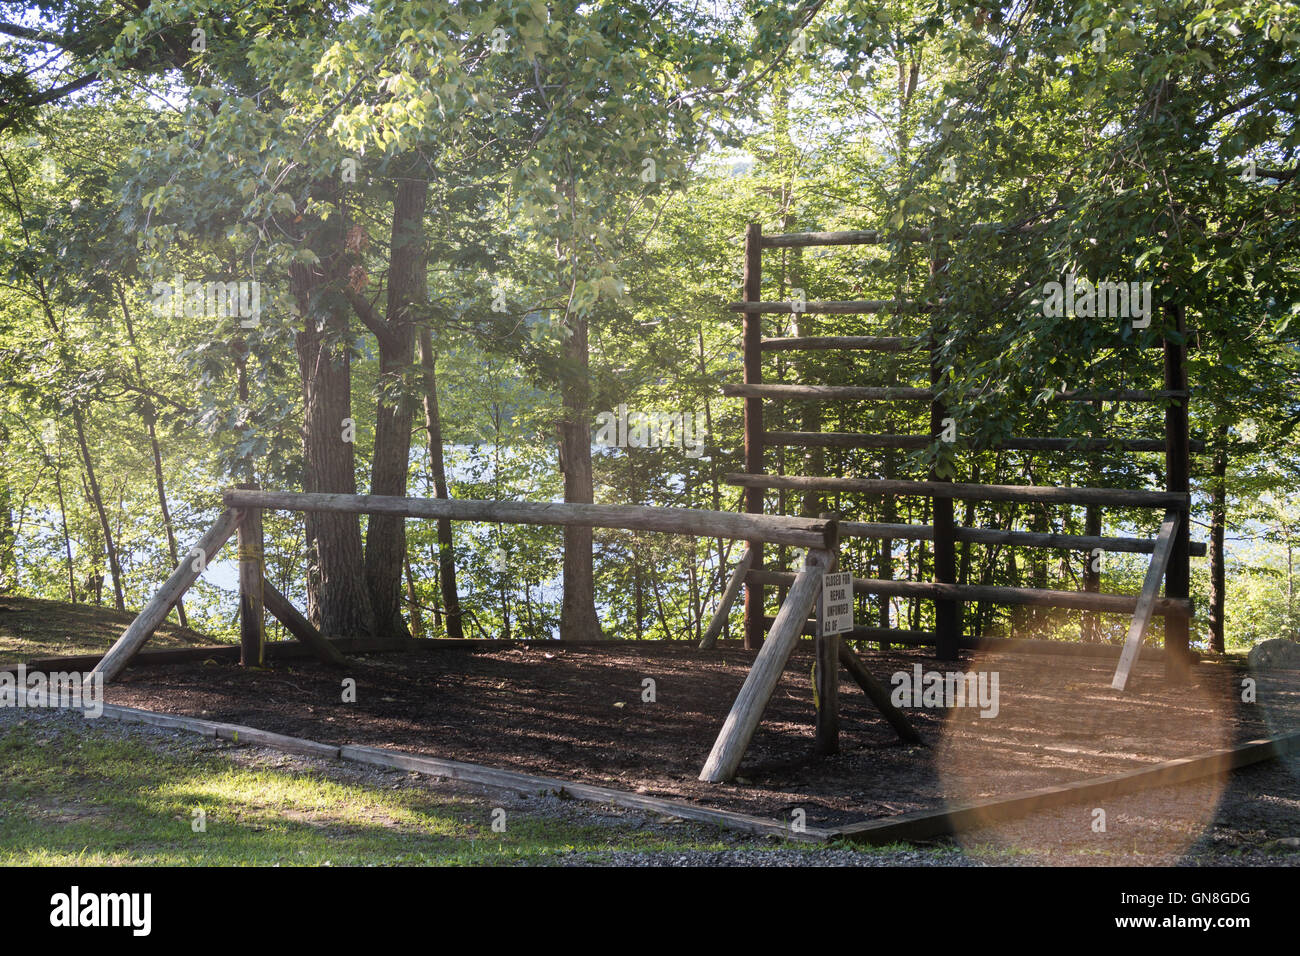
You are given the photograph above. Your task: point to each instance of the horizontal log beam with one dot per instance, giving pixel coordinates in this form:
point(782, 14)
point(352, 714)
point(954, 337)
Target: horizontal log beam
point(845, 307)
point(826, 343)
point(843, 440)
point(875, 237)
point(775, 529)
point(863, 633)
point(858, 440)
point(844, 393)
point(1001, 645)
point(996, 594)
point(827, 393)
point(848, 237)
point(1121, 395)
point(990, 536)
point(1115, 497)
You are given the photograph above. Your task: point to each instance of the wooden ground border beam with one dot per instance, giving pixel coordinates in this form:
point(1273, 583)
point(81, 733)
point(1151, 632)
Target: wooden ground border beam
point(926, 824)
point(511, 780)
point(907, 827)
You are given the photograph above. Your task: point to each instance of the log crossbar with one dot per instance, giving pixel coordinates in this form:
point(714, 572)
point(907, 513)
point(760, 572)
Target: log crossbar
point(781, 392)
point(1028, 443)
point(773, 529)
point(1025, 494)
point(845, 307)
point(826, 393)
point(988, 536)
point(826, 343)
point(876, 237)
point(999, 594)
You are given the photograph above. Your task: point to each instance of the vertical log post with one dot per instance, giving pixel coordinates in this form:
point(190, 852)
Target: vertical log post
point(752, 348)
point(947, 612)
point(1177, 478)
point(826, 682)
point(252, 629)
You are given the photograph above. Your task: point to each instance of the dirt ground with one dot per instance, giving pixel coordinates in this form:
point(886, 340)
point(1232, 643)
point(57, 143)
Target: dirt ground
point(581, 713)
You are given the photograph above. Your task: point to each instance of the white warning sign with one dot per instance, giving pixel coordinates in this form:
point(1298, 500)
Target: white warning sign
point(836, 612)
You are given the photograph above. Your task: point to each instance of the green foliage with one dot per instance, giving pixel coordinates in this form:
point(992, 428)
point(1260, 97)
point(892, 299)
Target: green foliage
point(1119, 133)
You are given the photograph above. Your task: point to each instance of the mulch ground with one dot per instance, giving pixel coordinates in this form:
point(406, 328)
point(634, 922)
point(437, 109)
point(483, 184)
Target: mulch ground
point(578, 713)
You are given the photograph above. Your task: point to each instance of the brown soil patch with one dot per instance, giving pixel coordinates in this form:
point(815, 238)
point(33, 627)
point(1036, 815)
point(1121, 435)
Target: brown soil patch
point(577, 713)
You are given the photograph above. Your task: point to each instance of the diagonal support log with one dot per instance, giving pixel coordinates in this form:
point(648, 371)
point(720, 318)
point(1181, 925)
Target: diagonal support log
point(156, 611)
point(728, 598)
point(757, 690)
point(1147, 599)
point(878, 694)
point(299, 626)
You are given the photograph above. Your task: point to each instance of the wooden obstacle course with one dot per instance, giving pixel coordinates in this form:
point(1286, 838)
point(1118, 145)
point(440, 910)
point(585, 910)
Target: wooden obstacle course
point(944, 591)
point(820, 536)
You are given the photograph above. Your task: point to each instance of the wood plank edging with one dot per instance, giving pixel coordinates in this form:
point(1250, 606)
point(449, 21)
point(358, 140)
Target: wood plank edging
point(919, 825)
point(925, 824)
point(470, 773)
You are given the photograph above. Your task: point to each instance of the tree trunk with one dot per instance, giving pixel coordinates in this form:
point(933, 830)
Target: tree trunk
point(386, 534)
point(150, 419)
point(337, 595)
point(437, 464)
point(110, 549)
point(578, 621)
point(417, 619)
point(63, 521)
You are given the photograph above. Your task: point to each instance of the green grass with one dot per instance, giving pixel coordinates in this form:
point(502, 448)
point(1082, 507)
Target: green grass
point(85, 796)
point(33, 628)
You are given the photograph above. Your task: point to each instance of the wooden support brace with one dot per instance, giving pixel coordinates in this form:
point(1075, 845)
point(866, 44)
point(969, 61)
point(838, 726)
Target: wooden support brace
point(757, 690)
point(734, 585)
point(1147, 599)
point(155, 612)
point(878, 694)
point(299, 626)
